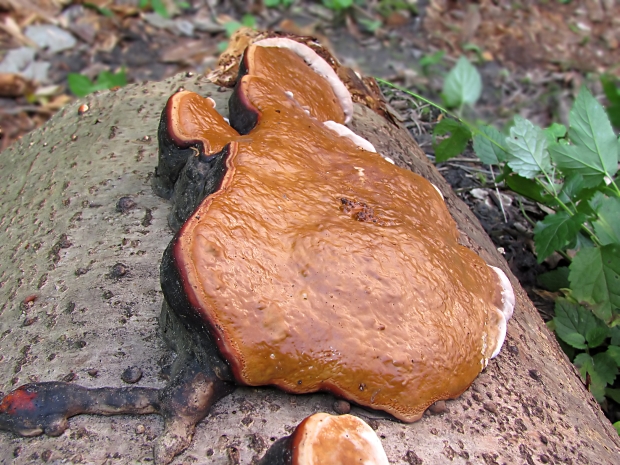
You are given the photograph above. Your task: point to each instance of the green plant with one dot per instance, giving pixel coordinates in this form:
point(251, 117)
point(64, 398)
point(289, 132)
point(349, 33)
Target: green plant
point(612, 92)
point(277, 3)
point(81, 85)
point(387, 7)
point(338, 5)
point(158, 6)
point(573, 173)
point(231, 27)
point(431, 59)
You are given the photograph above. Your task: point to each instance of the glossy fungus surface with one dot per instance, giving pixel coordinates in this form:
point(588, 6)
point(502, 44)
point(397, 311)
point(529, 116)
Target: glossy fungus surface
point(317, 265)
point(338, 440)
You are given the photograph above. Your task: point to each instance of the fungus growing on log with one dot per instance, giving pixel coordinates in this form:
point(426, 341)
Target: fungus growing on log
point(303, 260)
point(317, 265)
point(322, 438)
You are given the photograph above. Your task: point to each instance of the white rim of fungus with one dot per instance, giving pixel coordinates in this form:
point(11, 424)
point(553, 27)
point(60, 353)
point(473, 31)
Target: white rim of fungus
point(319, 66)
point(344, 131)
point(507, 309)
point(508, 294)
point(437, 189)
point(362, 435)
point(501, 334)
point(212, 101)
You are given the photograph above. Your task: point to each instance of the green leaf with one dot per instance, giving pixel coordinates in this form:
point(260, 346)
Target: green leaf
point(617, 426)
point(572, 187)
point(612, 92)
point(432, 59)
point(527, 149)
point(607, 225)
point(159, 7)
point(595, 279)
point(453, 145)
point(79, 84)
point(489, 146)
point(606, 367)
point(614, 352)
point(555, 232)
point(615, 336)
point(371, 25)
point(594, 153)
point(554, 132)
point(107, 80)
point(231, 27)
point(338, 5)
point(554, 280)
point(527, 187)
point(248, 20)
point(463, 84)
point(615, 395)
point(577, 326)
point(587, 364)
point(101, 10)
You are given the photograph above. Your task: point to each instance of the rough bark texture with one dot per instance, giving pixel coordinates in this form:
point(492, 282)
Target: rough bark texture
point(67, 314)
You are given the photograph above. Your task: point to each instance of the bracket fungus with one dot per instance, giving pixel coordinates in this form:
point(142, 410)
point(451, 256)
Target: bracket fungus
point(303, 260)
point(314, 263)
point(323, 438)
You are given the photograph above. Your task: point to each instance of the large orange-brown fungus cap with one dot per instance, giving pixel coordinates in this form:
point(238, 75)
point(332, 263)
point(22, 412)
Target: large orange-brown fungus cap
point(317, 265)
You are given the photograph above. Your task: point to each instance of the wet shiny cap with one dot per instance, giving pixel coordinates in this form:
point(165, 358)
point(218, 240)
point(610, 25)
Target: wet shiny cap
point(336, 440)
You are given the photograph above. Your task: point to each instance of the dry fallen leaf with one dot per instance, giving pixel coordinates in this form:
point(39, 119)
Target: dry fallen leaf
point(14, 85)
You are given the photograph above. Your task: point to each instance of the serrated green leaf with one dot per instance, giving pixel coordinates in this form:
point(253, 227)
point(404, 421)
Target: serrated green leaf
point(572, 187)
point(554, 132)
point(606, 367)
point(463, 84)
point(594, 153)
point(79, 84)
point(597, 335)
point(554, 280)
point(573, 323)
point(526, 187)
point(595, 279)
point(489, 146)
point(607, 225)
point(615, 336)
point(587, 364)
point(527, 149)
point(555, 232)
point(614, 352)
point(453, 145)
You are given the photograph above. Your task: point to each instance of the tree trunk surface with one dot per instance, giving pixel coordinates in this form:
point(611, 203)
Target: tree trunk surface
point(66, 315)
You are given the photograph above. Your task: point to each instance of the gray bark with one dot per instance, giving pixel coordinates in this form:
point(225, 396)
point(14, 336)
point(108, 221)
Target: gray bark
point(64, 314)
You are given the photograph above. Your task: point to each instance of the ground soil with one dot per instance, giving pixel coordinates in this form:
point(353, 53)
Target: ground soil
point(533, 57)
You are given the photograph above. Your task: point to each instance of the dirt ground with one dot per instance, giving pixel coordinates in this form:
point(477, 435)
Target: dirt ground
point(533, 57)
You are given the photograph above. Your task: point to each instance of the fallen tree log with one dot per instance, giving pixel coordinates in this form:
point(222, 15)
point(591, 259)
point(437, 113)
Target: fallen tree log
point(81, 242)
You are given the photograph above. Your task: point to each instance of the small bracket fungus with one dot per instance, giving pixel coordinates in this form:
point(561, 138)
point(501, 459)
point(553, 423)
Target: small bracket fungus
point(326, 439)
point(301, 261)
